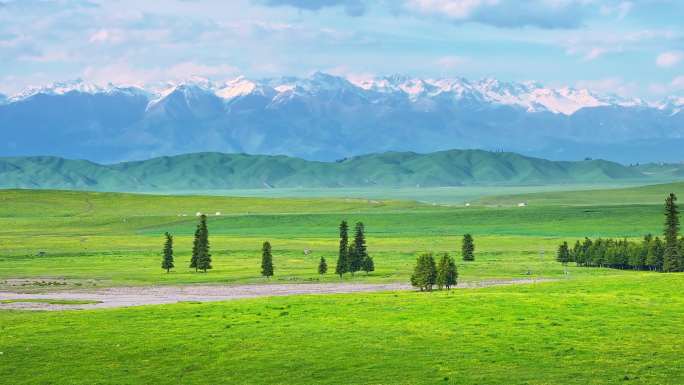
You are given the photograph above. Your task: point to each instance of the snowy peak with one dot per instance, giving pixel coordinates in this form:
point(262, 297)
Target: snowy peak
point(79, 86)
point(530, 96)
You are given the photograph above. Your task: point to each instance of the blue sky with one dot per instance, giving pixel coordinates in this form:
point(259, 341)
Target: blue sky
point(633, 48)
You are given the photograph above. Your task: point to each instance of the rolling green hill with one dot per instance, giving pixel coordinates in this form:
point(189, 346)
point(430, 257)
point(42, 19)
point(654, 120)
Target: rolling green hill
point(207, 171)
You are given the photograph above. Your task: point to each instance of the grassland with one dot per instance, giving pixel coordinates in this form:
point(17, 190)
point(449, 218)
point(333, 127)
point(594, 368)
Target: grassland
point(612, 330)
point(592, 326)
point(115, 239)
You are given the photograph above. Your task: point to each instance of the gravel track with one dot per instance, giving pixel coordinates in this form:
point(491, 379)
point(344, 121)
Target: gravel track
point(155, 295)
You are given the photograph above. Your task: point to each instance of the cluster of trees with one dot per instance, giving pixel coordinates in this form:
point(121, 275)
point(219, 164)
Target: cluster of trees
point(201, 258)
point(353, 257)
point(651, 253)
point(426, 274)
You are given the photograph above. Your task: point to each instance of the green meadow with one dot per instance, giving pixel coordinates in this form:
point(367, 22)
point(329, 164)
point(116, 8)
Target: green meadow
point(590, 326)
point(116, 239)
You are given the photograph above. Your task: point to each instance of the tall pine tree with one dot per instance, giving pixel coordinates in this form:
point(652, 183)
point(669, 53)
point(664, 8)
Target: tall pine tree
point(195, 248)
point(167, 261)
point(360, 254)
point(468, 248)
point(203, 255)
point(266, 260)
point(671, 257)
point(342, 258)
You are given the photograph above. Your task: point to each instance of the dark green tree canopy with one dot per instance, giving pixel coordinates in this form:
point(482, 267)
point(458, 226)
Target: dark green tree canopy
point(266, 260)
point(167, 261)
point(468, 248)
point(447, 273)
point(425, 273)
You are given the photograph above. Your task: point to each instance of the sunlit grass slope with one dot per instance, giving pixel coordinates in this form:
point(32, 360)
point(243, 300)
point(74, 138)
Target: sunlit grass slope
point(609, 330)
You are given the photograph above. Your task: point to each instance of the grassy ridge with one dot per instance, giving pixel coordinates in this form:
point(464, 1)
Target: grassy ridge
point(591, 331)
point(211, 171)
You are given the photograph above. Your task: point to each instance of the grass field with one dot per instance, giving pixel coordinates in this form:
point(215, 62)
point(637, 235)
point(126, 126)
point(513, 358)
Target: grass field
point(592, 326)
point(612, 330)
point(115, 239)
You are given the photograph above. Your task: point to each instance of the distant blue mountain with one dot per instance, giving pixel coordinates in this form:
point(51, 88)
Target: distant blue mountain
point(325, 117)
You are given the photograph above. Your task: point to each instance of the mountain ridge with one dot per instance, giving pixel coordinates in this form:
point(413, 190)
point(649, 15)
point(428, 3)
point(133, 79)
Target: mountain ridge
point(214, 171)
point(326, 117)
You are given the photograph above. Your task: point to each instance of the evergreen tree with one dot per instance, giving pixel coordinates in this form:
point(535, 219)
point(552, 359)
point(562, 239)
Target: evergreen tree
point(368, 265)
point(447, 274)
point(167, 261)
point(203, 255)
point(342, 258)
point(425, 273)
point(563, 255)
point(359, 255)
point(575, 255)
point(266, 260)
point(468, 248)
point(671, 257)
point(351, 258)
point(322, 266)
point(195, 248)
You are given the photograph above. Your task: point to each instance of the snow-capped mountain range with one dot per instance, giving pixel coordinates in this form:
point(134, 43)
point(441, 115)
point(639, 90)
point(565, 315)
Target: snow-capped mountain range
point(327, 117)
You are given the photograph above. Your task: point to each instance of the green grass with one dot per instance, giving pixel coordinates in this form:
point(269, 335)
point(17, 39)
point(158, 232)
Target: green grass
point(592, 326)
point(116, 239)
point(643, 195)
point(51, 301)
point(608, 330)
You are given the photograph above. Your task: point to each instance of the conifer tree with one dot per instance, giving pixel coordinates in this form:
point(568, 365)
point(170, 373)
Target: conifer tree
point(425, 273)
point(468, 248)
point(351, 258)
point(266, 260)
point(322, 266)
point(195, 248)
point(671, 257)
point(342, 258)
point(359, 255)
point(167, 261)
point(368, 265)
point(563, 255)
point(447, 274)
point(203, 255)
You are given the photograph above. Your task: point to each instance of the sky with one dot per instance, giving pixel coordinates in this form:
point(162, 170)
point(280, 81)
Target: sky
point(631, 48)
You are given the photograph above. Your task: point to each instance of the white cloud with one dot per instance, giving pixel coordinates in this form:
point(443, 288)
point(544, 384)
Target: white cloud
point(451, 63)
point(123, 73)
point(610, 85)
point(678, 83)
point(669, 59)
point(548, 14)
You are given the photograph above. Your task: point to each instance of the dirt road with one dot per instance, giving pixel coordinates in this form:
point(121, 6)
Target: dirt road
point(154, 295)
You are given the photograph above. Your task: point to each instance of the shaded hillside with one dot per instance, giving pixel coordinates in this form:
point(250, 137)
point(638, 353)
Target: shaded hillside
point(204, 171)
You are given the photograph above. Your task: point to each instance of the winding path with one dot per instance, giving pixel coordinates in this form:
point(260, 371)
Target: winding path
point(155, 295)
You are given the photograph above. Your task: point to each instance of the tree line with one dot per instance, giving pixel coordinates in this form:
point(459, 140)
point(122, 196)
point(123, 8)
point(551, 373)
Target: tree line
point(651, 253)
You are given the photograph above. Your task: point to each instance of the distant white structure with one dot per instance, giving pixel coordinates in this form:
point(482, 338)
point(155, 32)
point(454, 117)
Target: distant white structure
point(307, 251)
point(218, 213)
point(467, 204)
point(198, 214)
point(522, 204)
